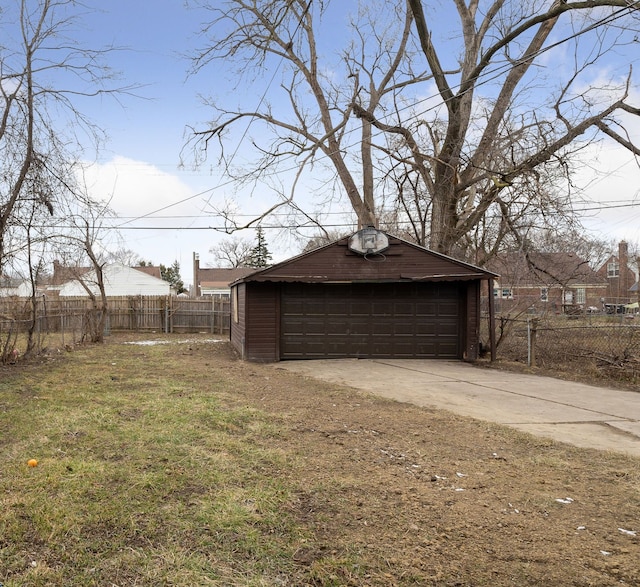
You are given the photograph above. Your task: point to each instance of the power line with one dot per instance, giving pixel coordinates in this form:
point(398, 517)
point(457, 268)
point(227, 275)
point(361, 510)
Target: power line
point(609, 206)
point(296, 225)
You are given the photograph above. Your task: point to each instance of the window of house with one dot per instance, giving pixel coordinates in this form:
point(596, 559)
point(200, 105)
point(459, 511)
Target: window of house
point(506, 293)
point(581, 295)
point(613, 269)
point(544, 294)
point(496, 292)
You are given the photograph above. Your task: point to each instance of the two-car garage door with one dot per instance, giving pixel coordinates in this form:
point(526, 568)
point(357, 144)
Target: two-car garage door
point(399, 320)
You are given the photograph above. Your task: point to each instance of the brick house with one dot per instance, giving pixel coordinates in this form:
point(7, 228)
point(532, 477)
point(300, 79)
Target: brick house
point(619, 277)
point(215, 281)
point(546, 282)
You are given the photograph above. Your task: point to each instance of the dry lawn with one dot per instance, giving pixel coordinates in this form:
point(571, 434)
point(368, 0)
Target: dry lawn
point(177, 464)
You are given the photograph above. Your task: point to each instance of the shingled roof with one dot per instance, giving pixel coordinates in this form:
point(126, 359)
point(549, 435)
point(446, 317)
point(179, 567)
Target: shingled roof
point(544, 269)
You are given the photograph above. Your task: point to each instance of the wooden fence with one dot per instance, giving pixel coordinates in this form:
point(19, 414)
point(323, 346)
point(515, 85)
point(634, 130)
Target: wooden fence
point(210, 314)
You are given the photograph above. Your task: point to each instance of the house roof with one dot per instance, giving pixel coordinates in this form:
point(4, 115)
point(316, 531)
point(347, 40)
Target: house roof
point(544, 269)
point(402, 261)
point(10, 282)
point(150, 270)
point(604, 268)
point(222, 277)
point(119, 280)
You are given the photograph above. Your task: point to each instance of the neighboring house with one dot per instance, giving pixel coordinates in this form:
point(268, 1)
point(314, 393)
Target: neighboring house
point(635, 293)
point(370, 295)
point(620, 278)
point(546, 282)
point(119, 280)
point(215, 281)
point(14, 286)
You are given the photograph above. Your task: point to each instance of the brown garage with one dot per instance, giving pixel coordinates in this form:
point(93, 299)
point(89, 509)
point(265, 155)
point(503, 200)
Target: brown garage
point(370, 295)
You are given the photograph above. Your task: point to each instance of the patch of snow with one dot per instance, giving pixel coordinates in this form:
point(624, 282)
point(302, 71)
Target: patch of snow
point(188, 341)
point(565, 500)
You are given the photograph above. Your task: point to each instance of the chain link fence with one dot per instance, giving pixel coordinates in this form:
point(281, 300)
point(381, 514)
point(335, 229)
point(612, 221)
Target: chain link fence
point(600, 348)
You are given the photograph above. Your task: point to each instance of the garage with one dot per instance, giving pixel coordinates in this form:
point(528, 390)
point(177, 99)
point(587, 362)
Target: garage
point(369, 295)
point(399, 320)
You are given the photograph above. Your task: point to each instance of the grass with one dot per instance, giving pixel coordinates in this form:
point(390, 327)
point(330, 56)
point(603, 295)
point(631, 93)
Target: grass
point(180, 465)
point(143, 477)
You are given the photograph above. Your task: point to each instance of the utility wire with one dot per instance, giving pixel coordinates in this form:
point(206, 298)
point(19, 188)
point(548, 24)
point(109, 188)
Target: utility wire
point(307, 225)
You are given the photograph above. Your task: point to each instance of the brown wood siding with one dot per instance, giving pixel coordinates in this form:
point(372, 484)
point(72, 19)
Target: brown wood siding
point(68, 315)
point(384, 320)
point(238, 329)
point(262, 322)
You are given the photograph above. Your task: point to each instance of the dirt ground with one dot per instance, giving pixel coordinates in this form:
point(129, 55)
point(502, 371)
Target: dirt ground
point(428, 498)
point(392, 494)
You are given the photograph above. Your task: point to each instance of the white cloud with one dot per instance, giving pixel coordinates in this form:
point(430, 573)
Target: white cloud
point(135, 188)
point(611, 182)
point(158, 214)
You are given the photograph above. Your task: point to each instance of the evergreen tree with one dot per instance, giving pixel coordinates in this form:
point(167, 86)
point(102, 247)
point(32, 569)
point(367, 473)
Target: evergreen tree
point(259, 256)
point(172, 275)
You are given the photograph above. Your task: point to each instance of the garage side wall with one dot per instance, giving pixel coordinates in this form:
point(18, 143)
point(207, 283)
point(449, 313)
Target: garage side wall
point(238, 318)
point(263, 322)
point(472, 327)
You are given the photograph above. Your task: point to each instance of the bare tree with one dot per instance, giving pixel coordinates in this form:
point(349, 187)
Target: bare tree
point(28, 265)
point(316, 126)
point(126, 257)
point(42, 72)
point(490, 162)
point(322, 238)
point(489, 158)
point(82, 241)
point(232, 252)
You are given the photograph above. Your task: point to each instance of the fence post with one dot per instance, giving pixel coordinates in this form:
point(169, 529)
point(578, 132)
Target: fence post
point(532, 329)
point(170, 322)
point(213, 314)
point(166, 315)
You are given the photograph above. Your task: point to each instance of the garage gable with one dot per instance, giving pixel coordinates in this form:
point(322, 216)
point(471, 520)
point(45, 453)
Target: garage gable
point(401, 261)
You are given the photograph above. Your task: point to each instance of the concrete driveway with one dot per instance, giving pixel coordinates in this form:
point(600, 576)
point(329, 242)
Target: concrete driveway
point(580, 414)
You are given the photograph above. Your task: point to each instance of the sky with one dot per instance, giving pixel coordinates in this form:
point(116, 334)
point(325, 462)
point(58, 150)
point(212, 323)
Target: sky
point(139, 169)
point(145, 171)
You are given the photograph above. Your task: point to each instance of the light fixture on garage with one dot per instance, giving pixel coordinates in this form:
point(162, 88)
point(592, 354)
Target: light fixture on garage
point(369, 241)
